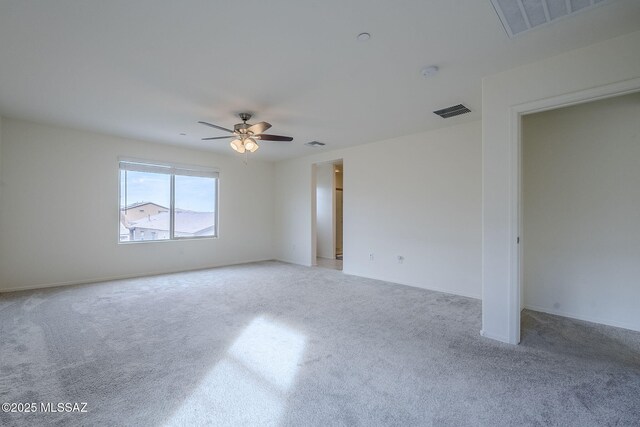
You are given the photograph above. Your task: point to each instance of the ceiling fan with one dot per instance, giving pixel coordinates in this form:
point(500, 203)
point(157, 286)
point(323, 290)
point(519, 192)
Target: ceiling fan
point(246, 136)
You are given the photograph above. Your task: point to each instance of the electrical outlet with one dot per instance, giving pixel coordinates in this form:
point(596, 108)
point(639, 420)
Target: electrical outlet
point(400, 259)
point(371, 258)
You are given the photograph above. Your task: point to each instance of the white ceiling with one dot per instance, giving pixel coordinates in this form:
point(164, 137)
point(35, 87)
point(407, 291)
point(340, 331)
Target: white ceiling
point(150, 69)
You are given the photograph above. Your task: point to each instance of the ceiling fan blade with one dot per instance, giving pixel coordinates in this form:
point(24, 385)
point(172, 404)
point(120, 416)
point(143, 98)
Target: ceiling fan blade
point(218, 137)
point(259, 127)
point(216, 126)
point(265, 137)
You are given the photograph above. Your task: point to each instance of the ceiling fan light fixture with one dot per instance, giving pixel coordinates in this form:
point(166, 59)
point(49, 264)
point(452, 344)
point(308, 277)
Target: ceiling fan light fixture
point(237, 145)
point(250, 144)
point(246, 135)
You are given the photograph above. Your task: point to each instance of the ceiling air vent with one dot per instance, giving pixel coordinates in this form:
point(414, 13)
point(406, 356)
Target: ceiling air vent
point(456, 110)
point(519, 16)
point(315, 144)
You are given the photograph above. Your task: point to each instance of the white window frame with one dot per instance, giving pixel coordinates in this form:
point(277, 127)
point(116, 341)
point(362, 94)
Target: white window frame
point(171, 169)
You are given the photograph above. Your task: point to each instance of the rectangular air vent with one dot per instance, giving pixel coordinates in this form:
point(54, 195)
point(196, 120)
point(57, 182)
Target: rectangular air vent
point(519, 16)
point(456, 110)
point(315, 144)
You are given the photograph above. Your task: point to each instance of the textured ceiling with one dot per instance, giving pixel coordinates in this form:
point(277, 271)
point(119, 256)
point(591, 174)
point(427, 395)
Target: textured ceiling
point(149, 69)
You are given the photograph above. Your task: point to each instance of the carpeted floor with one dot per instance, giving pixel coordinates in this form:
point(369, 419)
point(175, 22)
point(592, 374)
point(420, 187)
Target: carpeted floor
point(276, 344)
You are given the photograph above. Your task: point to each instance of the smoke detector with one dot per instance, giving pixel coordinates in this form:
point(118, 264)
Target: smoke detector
point(430, 71)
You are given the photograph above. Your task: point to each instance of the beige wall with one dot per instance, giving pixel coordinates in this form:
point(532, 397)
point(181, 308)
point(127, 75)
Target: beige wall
point(417, 196)
point(338, 168)
point(581, 211)
point(60, 168)
point(1, 182)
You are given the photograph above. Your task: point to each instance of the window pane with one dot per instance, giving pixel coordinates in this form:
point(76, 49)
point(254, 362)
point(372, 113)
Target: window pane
point(145, 198)
point(195, 205)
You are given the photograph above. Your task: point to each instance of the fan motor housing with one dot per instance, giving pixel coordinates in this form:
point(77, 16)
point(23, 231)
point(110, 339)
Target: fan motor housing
point(241, 127)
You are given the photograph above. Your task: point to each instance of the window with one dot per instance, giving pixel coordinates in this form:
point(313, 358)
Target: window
point(163, 202)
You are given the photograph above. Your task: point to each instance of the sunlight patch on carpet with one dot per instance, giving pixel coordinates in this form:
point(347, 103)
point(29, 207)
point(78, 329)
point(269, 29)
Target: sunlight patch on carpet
point(250, 384)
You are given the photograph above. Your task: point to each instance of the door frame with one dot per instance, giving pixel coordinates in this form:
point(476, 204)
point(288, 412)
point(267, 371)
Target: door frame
point(516, 222)
point(314, 208)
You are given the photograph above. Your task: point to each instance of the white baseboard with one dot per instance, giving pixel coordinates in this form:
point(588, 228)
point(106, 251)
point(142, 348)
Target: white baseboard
point(293, 262)
point(431, 288)
point(120, 277)
point(346, 271)
point(495, 337)
point(591, 319)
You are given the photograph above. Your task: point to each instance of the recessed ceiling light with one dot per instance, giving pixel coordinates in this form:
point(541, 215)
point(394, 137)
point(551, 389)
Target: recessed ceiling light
point(430, 71)
point(363, 37)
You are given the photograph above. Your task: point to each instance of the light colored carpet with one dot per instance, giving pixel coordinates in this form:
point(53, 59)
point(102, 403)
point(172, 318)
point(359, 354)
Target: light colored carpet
point(334, 264)
point(276, 344)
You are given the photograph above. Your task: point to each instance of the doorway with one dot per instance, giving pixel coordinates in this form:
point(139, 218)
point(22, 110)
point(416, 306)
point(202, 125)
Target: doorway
point(339, 196)
point(579, 232)
point(329, 214)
